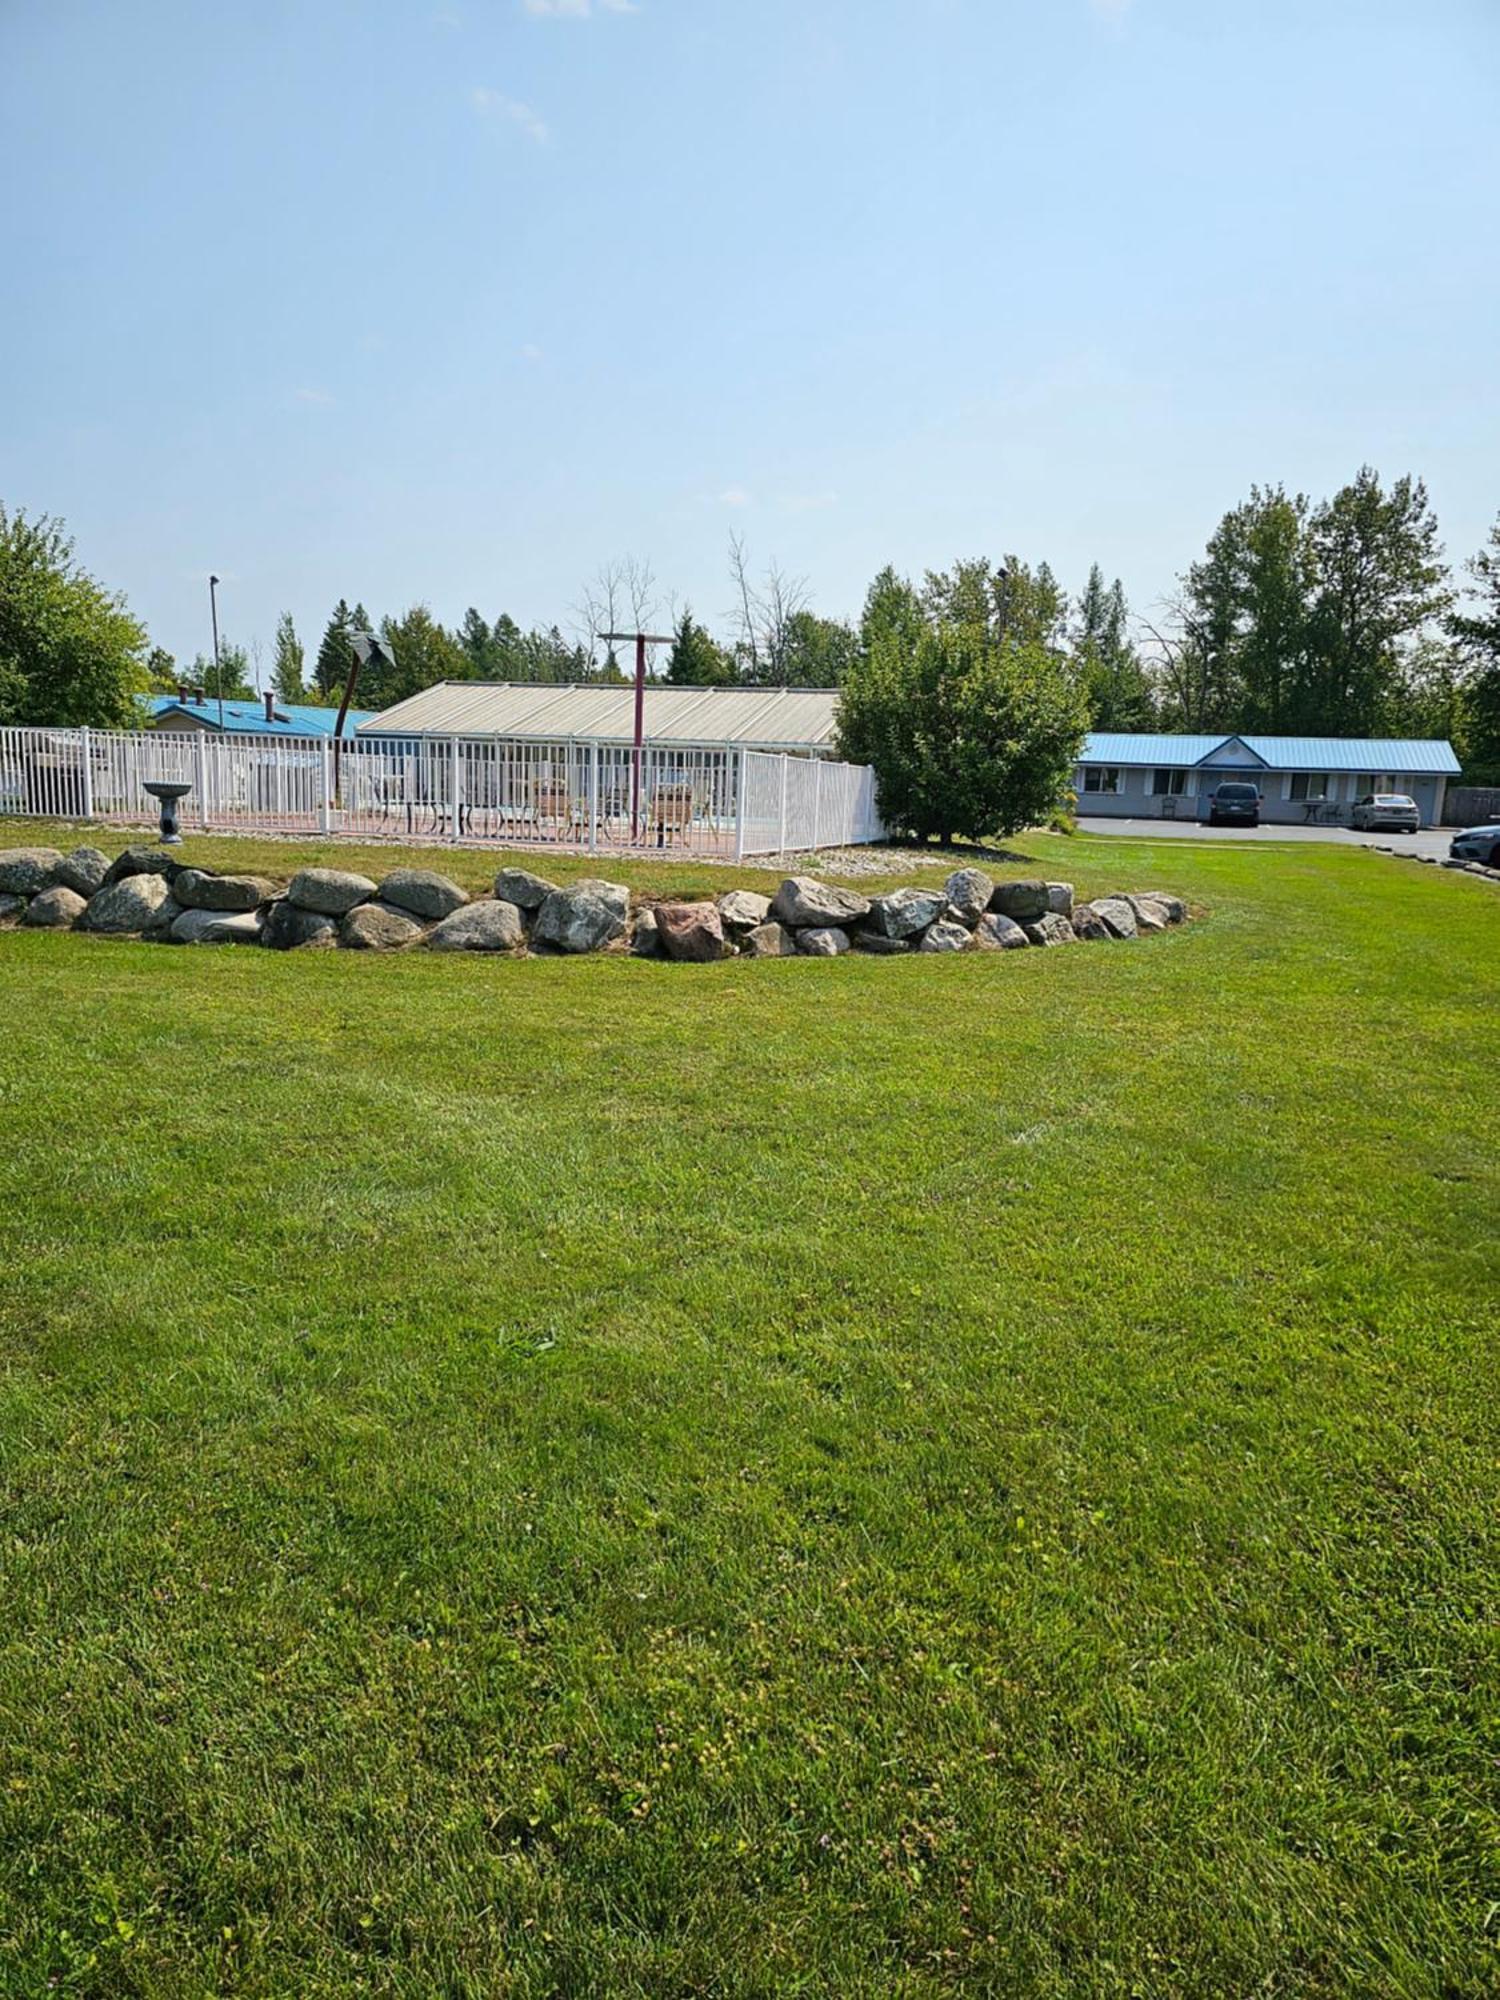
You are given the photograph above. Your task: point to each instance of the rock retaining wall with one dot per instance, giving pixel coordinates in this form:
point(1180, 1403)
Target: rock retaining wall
point(149, 893)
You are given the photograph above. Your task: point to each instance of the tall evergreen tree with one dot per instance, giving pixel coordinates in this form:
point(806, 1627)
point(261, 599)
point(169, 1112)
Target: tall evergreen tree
point(289, 665)
point(478, 643)
point(1106, 664)
point(335, 654)
point(1477, 634)
point(696, 660)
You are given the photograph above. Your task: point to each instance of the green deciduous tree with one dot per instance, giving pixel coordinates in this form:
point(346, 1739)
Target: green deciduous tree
point(289, 667)
point(425, 653)
point(1476, 632)
point(818, 652)
point(230, 678)
point(71, 654)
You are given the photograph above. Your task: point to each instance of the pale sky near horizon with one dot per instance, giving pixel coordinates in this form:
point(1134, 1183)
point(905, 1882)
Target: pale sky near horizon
point(452, 301)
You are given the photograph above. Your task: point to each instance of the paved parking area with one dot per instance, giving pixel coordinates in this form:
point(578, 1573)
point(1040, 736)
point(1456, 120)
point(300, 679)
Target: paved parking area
point(1433, 840)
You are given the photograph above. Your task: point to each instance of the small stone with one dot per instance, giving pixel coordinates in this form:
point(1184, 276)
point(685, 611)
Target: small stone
point(1167, 909)
point(125, 905)
point(83, 870)
point(968, 892)
point(878, 944)
point(423, 892)
point(200, 889)
point(742, 909)
point(691, 932)
point(1148, 917)
point(645, 939)
point(946, 936)
point(144, 861)
point(804, 901)
point(1051, 929)
point(1024, 901)
point(1060, 898)
point(484, 926)
point(331, 891)
point(769, 941)
point(521, 887)
point(585, 916)
point(378, 927)
point(198, 926)
point(1116, 915)
point(288, 928)
point(56, 909)
point(996, 933)
point(1087, 923)
point(26, 871)
point(822, 941)
point(905, 912)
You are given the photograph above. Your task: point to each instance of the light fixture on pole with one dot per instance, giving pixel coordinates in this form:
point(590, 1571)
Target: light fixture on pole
point(642, 641)
point(213, 607)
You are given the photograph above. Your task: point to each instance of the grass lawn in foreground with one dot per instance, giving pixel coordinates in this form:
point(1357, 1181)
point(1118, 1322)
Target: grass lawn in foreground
point(875, 1477)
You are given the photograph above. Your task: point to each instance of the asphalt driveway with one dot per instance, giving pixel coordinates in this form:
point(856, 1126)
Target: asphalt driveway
point(1433, 840)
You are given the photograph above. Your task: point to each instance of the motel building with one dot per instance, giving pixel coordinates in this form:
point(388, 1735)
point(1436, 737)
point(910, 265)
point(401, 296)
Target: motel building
point(1303, 780)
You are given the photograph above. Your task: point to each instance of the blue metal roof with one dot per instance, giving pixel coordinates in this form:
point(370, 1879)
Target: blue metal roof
point(1413, 756)
point(248, 718)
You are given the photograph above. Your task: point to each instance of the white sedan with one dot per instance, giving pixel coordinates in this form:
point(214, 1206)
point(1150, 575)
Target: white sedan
point(1385, 812)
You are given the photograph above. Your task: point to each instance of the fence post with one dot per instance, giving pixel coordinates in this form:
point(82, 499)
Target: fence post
point(781, 817)
point(200, 775)
point(594, 796)
point(86, 741)
point(455, 770)
point(325, 785)
point(739, 805)
point(817, 802)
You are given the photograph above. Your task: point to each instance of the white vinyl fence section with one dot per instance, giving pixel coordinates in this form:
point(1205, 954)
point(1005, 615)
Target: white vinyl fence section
point(581, 794)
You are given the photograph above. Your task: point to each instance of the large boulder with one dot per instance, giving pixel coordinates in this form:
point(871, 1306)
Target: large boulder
point(200, 889)
point(1149, 915)
point(1060, 898)
point(1051, 929)
point(1116, 916)
point(159, 930)
point(822, 941)
point(1087, 923)
point(425, 893)
point(83, 870)
point(769, 941)
point(968, 892)
point(742, 910)
point(1166, 909)
point(331, 891)
point(289, 928)
point(1024, 901)
point(947, 936)
point(996, 933)
point(905, 912)
point(56, 909)
point(26, 871)
point(126, 905)
point(804, 902)
point(198, 926)
point(378, 927)
point(692, 932)
point(486, 926)
point(583, 917)
point(144, 861)
point(12, 909)
point(521, 887)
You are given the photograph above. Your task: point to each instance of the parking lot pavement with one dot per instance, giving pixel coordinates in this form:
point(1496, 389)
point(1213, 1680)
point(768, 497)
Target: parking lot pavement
point(1432, 840)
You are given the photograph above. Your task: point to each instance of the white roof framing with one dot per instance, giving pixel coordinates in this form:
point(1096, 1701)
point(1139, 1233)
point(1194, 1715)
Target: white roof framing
point(748, 718)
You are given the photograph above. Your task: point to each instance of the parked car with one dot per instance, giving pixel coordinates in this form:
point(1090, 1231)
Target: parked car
point(1385, 812)
point(1477, 843)
point(1234, 804)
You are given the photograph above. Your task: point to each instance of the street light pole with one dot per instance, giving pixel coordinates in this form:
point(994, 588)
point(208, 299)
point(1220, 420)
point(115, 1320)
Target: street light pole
point(213, 606)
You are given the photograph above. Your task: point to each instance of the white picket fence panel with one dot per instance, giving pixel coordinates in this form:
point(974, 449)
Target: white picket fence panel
point(575, 793)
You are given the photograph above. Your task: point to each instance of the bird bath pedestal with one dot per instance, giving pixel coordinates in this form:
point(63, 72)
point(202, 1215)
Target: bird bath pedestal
point(167, 796)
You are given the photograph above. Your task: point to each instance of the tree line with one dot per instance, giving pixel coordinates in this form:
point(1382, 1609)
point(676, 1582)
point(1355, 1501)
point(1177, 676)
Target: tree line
point(1334, 617)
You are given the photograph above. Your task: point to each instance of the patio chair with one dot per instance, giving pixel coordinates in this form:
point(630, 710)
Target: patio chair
point(671, 811)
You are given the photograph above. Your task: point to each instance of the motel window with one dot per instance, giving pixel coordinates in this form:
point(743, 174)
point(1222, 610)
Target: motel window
point(1102, 778)
point(1312, 785)
point(1168, 784)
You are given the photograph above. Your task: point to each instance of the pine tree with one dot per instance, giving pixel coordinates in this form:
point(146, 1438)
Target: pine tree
point(695, 660)
point(335, 655)
point(287, 671)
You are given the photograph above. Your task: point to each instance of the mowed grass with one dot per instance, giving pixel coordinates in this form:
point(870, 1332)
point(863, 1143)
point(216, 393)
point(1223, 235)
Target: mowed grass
point(884, 1477)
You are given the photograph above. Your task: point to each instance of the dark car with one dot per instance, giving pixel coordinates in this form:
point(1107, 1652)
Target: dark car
point(1477, 843)
point(1234, 804)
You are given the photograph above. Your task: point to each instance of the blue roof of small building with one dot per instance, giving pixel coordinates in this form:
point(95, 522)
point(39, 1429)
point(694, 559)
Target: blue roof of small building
point(248, 718)
point(1415, 756)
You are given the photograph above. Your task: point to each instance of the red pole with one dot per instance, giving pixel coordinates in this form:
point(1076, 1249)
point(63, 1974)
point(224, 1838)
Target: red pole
point(640, 726)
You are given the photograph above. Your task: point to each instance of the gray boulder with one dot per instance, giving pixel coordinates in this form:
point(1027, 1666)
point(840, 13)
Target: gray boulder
point(288, 928)
point(159, 930)
point(127, 905)
point(486, 926)
point(968, 892)
point(803, 901)
point(378, 927)
point(56, 909)
point(946, 936)
point(424, 892)
point(330, 891)
point(645, 940)
point(1116, 916)
point(1060, 898)
point(1051, 929)
point(769, 941)
point(199, 889)
point(996, 933)
point(1149, 915)
point(583, 917)
point(877, 944)
point(521, 887)
point(742, 910)
point(822, 941)
point(144, 861)
point(1087, 923)
point(26, 871)
point(197, 926)
point(1166, 909)
point(904, 912)
point(1024, 901)
point(12, 909)
point(83, 870)
point(692, 932)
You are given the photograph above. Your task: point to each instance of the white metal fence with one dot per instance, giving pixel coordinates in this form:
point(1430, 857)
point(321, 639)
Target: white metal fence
point(582, 794)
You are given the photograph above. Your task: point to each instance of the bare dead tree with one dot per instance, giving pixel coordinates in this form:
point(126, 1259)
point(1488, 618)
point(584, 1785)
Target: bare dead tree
point(782, 600)
point(640, 592)
point(598, 607)
point(764, 614)
point(1177, 660)
point(745, 613)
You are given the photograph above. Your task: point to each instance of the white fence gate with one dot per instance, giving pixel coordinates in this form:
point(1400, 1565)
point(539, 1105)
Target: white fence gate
point(591, 796)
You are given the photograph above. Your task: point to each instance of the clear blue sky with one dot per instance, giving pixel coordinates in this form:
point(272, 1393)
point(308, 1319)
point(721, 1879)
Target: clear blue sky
point(454, 301)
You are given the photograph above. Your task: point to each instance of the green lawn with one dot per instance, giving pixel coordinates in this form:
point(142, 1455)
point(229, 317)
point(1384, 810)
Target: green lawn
point(885, 1477)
